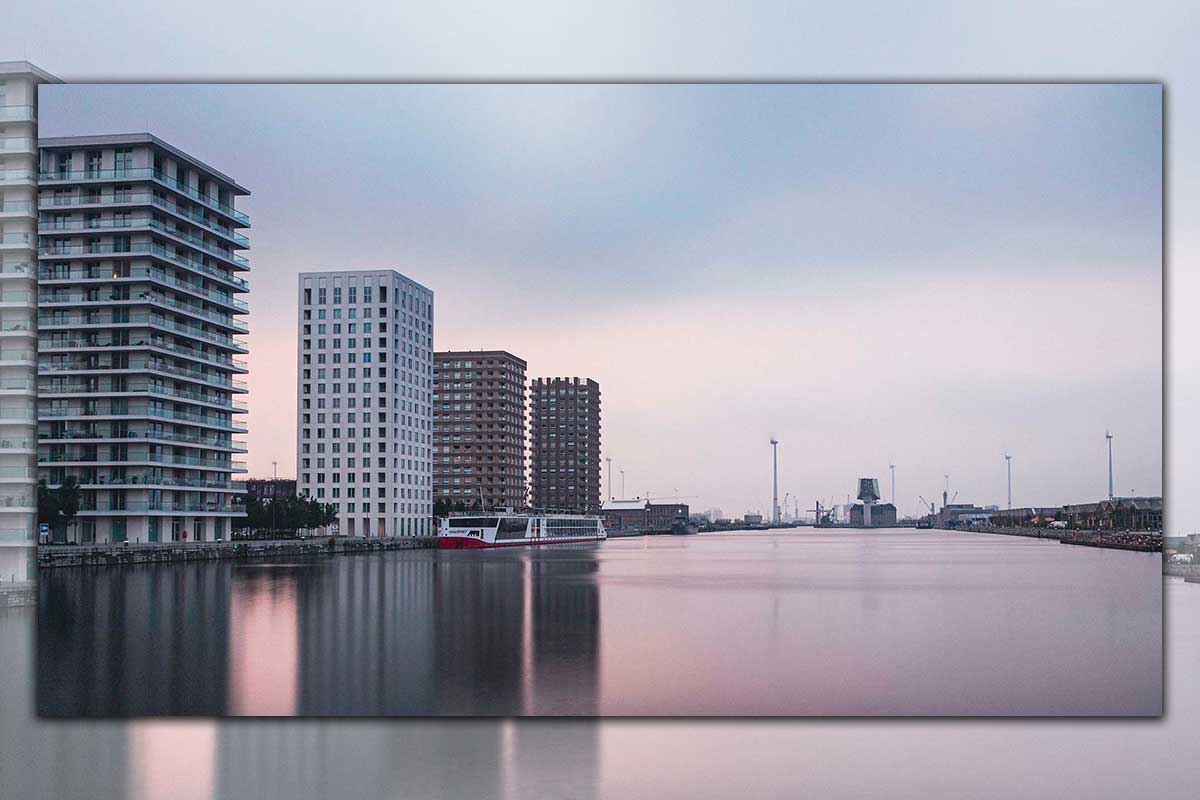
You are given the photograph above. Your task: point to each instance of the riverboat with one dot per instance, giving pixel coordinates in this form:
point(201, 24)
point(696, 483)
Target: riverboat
point(511, 530)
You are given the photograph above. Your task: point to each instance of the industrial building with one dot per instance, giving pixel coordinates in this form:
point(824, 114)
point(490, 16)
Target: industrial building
point(883, 515)
point(479, 428)
point(565, 444)
point(364, 396)
point(139, 272)
point(641, 515)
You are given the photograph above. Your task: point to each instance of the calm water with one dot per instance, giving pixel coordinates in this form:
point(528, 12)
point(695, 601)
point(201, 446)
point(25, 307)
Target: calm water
point(841, 623)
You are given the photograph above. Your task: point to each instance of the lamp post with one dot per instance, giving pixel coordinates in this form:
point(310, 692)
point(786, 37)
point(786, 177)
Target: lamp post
point(1108, 436)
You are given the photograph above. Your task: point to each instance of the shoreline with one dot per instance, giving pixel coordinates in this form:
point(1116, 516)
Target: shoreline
point(102, 555)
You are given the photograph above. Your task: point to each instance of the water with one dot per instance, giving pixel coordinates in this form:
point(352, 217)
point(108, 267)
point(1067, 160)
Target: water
point(894, 622)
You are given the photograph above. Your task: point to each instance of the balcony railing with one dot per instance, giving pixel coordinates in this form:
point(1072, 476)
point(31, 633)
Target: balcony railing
point(16, 144)
point(150, 436)
point(80, 342)
point(17, 296)
point(151, 480)
point(138, 198)
point(146, 173)
point(141, 413)
point(143, 458)
point(52, 321)
point(17, 114)
point(18, 472)
point(17, 207)
point(137, 248)
point(135, 272)
point(48, 366)
point(161, 505)
point(150, 388)
point(17, 176)
point(152, 298)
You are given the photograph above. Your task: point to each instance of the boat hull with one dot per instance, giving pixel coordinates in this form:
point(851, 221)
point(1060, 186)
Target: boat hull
point(474, 543)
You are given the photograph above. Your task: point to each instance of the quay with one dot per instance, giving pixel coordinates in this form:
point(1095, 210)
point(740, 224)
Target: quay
point(98, 555)
point(1112, 540)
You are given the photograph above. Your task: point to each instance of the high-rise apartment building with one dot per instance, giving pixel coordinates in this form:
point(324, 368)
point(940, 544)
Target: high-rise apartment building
point(565, 444)
point(19, 82)
point(479, 428)
point(364, 395)
point(139, 274)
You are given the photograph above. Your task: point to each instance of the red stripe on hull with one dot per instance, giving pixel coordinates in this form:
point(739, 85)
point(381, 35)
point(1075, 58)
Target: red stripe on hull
point(471, 543)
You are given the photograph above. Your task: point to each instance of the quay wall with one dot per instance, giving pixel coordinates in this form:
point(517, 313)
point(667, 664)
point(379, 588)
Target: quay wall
point(95, 555)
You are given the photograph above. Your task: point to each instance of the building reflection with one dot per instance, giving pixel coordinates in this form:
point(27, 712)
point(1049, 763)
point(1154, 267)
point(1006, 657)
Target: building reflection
point(135, 641)
point(365, 636)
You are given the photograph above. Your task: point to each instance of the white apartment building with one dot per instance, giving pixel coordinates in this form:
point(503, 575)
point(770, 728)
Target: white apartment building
point(364, 417)
point(139, 274)
point(19, 82)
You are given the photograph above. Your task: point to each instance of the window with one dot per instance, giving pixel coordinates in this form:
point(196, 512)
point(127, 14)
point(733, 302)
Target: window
point(123, 160)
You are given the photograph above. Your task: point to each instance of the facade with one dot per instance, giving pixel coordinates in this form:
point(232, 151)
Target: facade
point(624, 515)
point(19, 82)
point(661, 516)
point(479, 428)
point(1117, 514)
point(270, 488)
point(565, 444)
point(364, 438)
point(139, 273)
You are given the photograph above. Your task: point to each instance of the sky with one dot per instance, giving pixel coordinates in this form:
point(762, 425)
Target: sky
point(924, 275)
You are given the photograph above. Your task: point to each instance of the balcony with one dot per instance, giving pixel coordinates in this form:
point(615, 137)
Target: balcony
point(17, 177)
point(139, 248)
point(222, 401)
point(144, 173)
point(49, 367)
point(163, 505)
point(133, 320)
point(18, 114)
point(17, 474)
point(215, 442)
point(51, 202)
point(136, 272)
point(17, 144)
point(17, 208)
point(208, 420)
point(147, 458)
point(54, 342)
point(174, 484)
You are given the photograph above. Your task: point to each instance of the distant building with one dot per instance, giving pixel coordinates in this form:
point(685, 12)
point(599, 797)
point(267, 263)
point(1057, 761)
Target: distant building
point(953, 514)
point(268, 488)
point(479, 428)
point(661, 516)
point(753, 519)
point(624, 515)
point(1118, 514)
point(883, 515)
point(565, 444)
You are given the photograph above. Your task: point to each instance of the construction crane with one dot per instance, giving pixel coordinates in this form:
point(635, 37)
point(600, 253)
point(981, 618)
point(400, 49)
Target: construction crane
point(786, 495)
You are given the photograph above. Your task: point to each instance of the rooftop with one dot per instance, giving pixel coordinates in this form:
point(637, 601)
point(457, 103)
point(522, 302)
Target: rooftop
point(25, 68)
point(100, 140)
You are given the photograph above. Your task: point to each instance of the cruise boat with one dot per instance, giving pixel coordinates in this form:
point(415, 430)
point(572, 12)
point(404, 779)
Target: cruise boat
point(509, 529)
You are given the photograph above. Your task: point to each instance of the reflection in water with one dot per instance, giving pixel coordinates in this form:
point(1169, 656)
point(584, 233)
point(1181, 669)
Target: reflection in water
point(611, 759)
point(821, 623)
point(138, 641)
point(402, 634)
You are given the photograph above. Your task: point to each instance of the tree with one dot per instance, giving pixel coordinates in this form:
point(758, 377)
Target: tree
point(57, 507)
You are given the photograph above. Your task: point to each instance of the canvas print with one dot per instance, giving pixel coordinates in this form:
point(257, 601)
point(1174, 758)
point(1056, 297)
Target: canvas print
point(588, 400)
